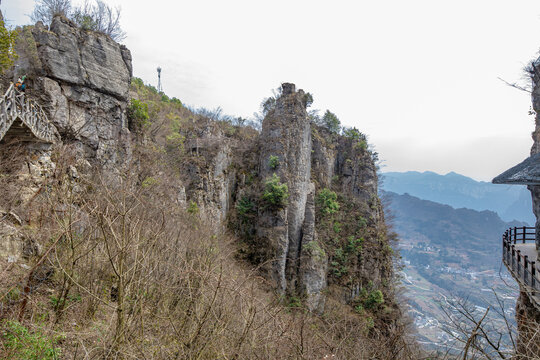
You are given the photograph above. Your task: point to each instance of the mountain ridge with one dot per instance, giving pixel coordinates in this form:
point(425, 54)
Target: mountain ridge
point(459, 191)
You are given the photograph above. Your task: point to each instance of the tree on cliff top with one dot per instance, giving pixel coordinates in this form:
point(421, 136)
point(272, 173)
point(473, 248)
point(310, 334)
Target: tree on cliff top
point(331, 122)
point(91, 15)
point(99, 17)
point(45, 10)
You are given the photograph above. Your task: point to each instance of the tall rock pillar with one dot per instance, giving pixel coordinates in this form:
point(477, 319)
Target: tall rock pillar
point(287, 135)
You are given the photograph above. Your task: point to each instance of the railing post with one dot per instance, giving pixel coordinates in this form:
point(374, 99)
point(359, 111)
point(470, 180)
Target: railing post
point(513, 258)
point(518, 262)
point(525, 271)
point(533, 274)
point(515, 234)
point(524, 232)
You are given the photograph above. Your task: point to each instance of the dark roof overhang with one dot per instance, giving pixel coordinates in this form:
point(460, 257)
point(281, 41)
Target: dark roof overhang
point(526, 172)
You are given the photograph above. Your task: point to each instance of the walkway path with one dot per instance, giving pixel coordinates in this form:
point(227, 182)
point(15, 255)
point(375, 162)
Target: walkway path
point(16, 108)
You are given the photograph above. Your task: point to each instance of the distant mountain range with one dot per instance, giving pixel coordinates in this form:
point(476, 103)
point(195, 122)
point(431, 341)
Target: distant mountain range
point(510, 202)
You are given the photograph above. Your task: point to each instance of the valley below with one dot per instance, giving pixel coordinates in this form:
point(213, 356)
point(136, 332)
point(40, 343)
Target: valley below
point(452, 269)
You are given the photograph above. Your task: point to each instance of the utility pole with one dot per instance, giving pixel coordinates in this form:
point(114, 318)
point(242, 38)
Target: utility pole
point(159, 87)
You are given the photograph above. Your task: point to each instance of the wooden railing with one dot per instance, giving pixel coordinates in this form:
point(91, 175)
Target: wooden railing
point(519, 264)
point(15, 105)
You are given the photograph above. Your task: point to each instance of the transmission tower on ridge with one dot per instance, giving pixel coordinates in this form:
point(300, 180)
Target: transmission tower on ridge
point(159, 87)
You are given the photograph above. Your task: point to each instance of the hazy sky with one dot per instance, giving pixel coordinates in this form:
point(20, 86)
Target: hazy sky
point(418, 76)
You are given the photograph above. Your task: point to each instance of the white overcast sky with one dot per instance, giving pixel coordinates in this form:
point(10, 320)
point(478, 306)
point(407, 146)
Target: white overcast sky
point(418, 76)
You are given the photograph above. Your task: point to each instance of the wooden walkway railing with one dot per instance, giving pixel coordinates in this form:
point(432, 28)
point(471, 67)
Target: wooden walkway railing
point(517, 243)
point(15, 105)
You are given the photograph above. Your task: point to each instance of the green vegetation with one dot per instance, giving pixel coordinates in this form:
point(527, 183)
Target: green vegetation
point(294, 302)
point(338, 265)
point(308, 99)
point(273, 162)
point(175, 141)
point(137, 113)
point(331, 122)
point(7, 47)
point(370, 323)
point(193, 208)
point(352, 133)
point(315, 249)
point(268, 104)
point(354, 245)
point(327, 203)
point(149, 181)
point(374, 298)
point(245, 207)
point(22, 344)
point(369, 298)
point(275, 193)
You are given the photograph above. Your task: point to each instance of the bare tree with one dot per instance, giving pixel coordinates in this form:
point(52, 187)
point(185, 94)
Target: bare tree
point(45, 10)
point(98, 16)
point(91, 15)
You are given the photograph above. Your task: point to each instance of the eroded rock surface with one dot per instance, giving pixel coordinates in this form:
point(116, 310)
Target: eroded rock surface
point(287, 136)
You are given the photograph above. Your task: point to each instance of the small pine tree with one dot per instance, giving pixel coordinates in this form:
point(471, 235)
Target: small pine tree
point(331, 122)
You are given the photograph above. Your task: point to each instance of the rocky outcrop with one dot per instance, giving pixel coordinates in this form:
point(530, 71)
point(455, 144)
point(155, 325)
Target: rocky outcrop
point(303, 247)
point(209, 179)
point(287, 136)
point(70, 55)
point(82, 78)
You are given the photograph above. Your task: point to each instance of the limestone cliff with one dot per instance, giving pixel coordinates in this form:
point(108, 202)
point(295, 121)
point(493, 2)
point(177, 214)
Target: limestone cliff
point(82, 78)
point(301, 200)
point(329, 238)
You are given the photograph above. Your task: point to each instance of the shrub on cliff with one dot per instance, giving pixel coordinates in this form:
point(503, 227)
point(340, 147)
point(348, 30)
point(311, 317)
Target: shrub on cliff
point(327, 202)
point(137, 113)
point(275, 193)
point(273, 161)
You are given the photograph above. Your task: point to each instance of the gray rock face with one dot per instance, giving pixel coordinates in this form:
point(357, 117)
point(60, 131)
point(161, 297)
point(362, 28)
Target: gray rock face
point(82, 79)
point(287, 135)
point(313, 259)
point(211, 185)
point(77, 57)
point(323, 158)
point(358, 171)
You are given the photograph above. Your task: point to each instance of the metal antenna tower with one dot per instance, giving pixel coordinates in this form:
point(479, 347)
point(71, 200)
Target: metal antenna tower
point(159, 87)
